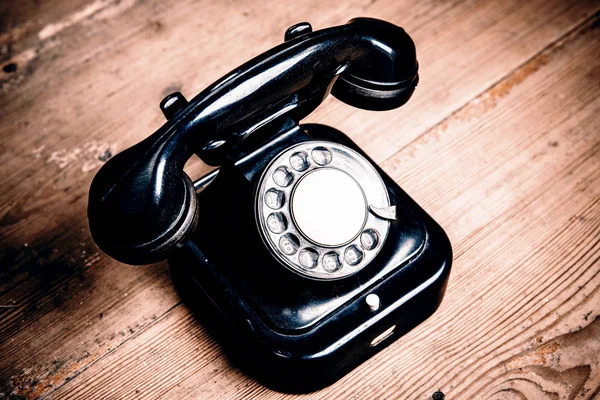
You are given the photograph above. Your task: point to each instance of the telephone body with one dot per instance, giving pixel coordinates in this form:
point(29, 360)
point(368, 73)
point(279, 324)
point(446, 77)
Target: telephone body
point(311, 254)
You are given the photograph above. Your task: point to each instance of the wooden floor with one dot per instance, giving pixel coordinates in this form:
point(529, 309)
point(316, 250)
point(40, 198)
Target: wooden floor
point(500, 144)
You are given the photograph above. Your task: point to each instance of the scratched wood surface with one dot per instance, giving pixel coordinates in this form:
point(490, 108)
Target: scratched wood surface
point(500, 143)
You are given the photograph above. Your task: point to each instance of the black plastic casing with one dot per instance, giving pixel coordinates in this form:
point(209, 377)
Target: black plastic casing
point(300, 334)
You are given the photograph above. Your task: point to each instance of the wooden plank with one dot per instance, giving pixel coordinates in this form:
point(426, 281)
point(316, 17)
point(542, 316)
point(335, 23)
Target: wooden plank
point(91, 82)
point(518, 191)
point(20, 21)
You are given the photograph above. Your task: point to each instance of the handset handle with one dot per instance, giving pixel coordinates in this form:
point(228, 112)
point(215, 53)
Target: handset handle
point(141, 203)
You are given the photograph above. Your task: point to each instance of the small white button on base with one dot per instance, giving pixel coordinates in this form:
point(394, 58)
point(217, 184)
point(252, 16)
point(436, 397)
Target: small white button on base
point(373, 302)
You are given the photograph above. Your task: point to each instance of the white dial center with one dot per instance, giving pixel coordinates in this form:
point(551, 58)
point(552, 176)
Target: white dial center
point(329, 207)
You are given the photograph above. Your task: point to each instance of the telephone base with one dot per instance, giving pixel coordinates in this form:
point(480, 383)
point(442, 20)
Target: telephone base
point(297, 334)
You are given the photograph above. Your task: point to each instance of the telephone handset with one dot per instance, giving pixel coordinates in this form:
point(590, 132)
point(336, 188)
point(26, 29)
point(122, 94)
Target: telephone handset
point(309, 251)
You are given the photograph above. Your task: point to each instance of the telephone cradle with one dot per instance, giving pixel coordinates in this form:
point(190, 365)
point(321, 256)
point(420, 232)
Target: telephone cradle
point(312, 257)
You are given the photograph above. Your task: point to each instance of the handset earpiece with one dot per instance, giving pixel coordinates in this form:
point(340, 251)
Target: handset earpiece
point(141, 203)
point(385, 77)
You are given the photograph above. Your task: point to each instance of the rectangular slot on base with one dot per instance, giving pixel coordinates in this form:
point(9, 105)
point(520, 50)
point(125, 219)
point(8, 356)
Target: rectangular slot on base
point(386, 334)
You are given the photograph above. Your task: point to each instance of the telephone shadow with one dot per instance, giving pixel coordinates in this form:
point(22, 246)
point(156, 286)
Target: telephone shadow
point(237, 355)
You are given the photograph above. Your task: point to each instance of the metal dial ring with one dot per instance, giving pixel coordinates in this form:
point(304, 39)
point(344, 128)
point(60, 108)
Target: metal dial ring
point(314, 209)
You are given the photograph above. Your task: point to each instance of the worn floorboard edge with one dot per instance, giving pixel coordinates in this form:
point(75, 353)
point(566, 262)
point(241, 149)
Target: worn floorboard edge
point(106, 354)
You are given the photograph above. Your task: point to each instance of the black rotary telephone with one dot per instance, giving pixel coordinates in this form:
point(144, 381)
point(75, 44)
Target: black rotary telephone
point(315, 258)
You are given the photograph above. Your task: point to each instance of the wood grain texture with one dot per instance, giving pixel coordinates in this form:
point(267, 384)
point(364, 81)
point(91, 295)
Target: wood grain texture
point(500, 144)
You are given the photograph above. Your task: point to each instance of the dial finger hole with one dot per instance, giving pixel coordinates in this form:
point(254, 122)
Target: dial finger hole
point(299, 161)
point(283, 177)
point(369, 239)
point(288, 244)
point(321, 155)
point(332, 262)
point(276, 222)
point(274, 199)
point(353, 255)
point(308, 258)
